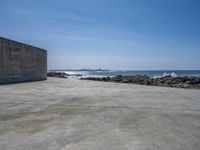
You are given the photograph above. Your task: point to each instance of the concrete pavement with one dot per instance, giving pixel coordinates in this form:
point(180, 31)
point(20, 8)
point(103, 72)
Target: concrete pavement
point(60, 114)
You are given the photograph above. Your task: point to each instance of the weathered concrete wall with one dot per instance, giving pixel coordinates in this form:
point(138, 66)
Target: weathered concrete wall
point(20, 62)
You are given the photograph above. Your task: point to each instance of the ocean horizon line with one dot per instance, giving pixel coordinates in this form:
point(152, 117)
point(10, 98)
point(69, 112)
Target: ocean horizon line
point(124, 70)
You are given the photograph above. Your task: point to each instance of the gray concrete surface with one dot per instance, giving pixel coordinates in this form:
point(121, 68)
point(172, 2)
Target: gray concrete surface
point(60, 114)
point(21, 62)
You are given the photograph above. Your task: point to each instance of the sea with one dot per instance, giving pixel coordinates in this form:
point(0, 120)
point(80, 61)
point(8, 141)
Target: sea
point(151, 73)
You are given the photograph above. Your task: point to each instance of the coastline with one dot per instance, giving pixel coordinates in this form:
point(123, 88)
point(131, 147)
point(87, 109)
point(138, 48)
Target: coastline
point(167, 80)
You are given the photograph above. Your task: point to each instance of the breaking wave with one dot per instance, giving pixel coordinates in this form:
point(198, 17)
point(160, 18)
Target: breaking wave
point(171, 74)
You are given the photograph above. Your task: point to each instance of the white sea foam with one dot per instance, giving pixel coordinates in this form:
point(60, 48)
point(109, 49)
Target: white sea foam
point(73, 73)
point(157, 77)
point(169, 74)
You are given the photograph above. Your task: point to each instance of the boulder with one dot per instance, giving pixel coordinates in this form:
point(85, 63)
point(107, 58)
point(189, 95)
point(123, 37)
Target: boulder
point(57, 74)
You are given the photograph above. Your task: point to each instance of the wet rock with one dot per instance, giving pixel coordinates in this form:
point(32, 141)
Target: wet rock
point(167, 81)
point(106, 79)
point(75, 75)
point(117, 78)
point(57, 74)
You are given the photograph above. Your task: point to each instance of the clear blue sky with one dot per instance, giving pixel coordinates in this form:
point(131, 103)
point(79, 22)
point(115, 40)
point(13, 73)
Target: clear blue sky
point(111, 34)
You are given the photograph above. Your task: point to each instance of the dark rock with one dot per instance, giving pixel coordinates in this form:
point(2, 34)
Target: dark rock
point(57, 74)
point(106, 79)
point(169, 81)
point(77, 75)
point(117, 78)
point(90, 78)
point(195, 81)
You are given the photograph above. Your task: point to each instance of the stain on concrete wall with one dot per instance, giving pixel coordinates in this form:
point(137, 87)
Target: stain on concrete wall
point(21, 62)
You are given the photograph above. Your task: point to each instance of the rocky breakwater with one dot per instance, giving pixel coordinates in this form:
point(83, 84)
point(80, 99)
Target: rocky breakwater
point(62, 75)
point(167, 81)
